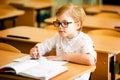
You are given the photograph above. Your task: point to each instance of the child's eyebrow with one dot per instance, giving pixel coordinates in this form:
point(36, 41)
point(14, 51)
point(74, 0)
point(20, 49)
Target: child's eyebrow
point(61, 21)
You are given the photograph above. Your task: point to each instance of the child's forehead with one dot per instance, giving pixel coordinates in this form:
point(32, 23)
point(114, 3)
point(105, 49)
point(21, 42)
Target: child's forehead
point(64, 18)
point(65, 13)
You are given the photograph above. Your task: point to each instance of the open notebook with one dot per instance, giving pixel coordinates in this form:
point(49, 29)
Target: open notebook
point(41, 68)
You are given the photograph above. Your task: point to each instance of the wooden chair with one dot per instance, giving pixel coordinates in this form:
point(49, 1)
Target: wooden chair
point(8, 47)
point(104, 32)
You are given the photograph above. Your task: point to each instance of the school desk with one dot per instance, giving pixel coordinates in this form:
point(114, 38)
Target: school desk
point(108, 48)
point(96, 22)
point(103, 8)
point(75, 70)
point(32, 8)
point(26, 38)
point(8, 12)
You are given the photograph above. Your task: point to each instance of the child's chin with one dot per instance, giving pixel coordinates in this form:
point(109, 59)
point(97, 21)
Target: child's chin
point(62, 35)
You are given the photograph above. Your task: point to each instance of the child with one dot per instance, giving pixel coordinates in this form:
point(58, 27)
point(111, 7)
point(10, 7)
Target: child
point(70, 42)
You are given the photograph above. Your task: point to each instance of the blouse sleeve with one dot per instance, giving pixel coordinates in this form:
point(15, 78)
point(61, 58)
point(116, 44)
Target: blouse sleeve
point(47, 45)
point(89, 47)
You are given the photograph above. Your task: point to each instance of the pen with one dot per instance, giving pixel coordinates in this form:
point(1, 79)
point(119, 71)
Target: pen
point(35, 54)
point(34, 58)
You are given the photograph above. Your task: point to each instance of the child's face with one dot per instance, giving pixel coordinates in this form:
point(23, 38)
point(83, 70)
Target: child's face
point(66, 26)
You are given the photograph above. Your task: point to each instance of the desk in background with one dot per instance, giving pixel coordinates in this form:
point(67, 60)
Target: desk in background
point(32, 8)
point(75, 70)
point(108, 48)
point(103, 8)
point(31, 36)
point(8, 12)
point(103, 22)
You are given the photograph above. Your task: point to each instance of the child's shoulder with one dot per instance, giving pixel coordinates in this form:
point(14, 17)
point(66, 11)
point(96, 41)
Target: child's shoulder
point(84, 35)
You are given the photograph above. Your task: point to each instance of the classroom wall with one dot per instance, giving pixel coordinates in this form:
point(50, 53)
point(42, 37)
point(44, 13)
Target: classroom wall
point(59, 3)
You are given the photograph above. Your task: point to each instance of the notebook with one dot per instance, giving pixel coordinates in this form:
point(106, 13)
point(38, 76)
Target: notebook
point(37, 69)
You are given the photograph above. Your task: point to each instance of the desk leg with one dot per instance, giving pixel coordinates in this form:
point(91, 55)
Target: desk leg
point(102, 67)
point(1, 24)
point(39, 14)
point(14, 21)
point(112, 69)
point(38, 18)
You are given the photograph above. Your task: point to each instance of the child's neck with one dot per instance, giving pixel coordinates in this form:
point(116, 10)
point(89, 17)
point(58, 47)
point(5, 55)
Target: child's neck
point(72, 35)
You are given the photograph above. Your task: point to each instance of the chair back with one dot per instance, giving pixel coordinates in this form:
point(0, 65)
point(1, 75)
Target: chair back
point(8, 47)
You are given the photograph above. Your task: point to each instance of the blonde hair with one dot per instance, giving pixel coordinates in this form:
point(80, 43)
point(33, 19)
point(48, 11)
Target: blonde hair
point(74, 11)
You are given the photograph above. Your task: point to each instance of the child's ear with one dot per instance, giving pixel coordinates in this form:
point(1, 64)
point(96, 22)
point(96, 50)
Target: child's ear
point(78, 27)
point(78, 23)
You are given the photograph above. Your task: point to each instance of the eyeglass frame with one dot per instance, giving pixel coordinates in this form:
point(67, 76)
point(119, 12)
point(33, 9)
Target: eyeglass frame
point(63, 24)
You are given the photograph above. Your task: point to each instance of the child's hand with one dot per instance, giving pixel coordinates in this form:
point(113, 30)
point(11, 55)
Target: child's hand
point(35, 53)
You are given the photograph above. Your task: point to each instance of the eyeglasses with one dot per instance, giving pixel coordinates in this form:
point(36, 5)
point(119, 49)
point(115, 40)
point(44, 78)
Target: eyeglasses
point(63, 24)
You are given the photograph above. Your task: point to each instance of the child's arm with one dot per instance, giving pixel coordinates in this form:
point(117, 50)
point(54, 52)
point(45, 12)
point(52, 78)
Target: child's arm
point(86, 59)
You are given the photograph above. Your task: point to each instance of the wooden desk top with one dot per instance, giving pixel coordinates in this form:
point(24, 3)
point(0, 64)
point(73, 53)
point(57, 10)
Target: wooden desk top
point(103, 8)
point(35, 34)
point(101, 22)
point(7, 11)
point(108, 44)
point(34, 4)
point(74, 71)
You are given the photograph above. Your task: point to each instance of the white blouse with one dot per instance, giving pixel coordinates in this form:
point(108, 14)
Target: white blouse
point(79, 44)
